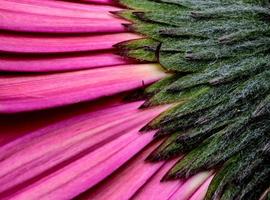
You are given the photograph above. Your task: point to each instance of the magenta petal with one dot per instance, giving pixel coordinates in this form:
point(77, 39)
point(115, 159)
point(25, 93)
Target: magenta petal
point(127, 181)
point(35, 92)
point(66, 139)
point(201, 192)
point(57, 128)
point(62, 63)
point(30, 122)
point(17, 21)
point(156, 190)
point(190, 186)
point(32, 44)
point(34, 8)
point(74, 178)
point(107, 2)
point(67, 5)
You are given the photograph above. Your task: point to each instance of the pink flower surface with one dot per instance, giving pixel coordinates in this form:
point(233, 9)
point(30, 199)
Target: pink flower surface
point(49, 8)
point(35, 92)
point(201, 192)
point(62, 63)
point(47, 44)
point(29, 22)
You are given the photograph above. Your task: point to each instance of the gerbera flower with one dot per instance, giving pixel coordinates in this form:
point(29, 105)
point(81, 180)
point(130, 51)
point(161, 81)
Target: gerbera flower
point(105, 99)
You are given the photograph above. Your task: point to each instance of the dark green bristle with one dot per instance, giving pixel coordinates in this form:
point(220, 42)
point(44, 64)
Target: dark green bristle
point(219, 53)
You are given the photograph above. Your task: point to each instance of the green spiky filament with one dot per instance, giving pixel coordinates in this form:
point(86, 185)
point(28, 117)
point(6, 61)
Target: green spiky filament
point(219, 52)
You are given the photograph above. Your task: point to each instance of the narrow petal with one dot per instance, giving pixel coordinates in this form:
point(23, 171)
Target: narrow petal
point(60, 63)
point(35, 92)
point(76, 177)
point(107, 2)
point(35, 44)
point(201, 192)
point(156, 190)
point(30, 122)
point(66, 141)
point(190, 186)
point(101, 116)
point(127, 181)
point(18, 21)
point(68, 5)
point(32, 8)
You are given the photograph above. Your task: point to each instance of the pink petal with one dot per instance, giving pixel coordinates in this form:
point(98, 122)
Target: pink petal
point(35, 92)
point(190, 186)
point(201, 192)
point(33, 8)
point(125, 182)
point(74, 178)
point(107, 2)
point(30, 122)
point(60, 63)
point(156, 190)
point(68, 5)
point(46, 44)
point(17, 21)
point(101, 116)
point(66, 139)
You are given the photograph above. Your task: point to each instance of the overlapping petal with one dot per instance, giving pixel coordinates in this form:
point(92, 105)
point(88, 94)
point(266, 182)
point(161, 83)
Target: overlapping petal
point(28, 22)
point(61, 63)
point(83, 147)
point(35, 92)
point(60, 9)
point(20, 43)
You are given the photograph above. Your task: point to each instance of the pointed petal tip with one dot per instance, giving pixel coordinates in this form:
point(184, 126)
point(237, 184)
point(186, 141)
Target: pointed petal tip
point(171, 176)
point(116, 12)
point(145, 129)
point(101, 2)
point(158, 155)
point(145, 105)
point(139, 14)
point(119, 45)
point(160, 133)
point(153, 158)
point(167, 177)
point(129, 27)
point(123, 53)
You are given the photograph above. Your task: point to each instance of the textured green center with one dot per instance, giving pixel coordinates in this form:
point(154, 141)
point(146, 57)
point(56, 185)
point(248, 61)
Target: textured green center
point(219, 53)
